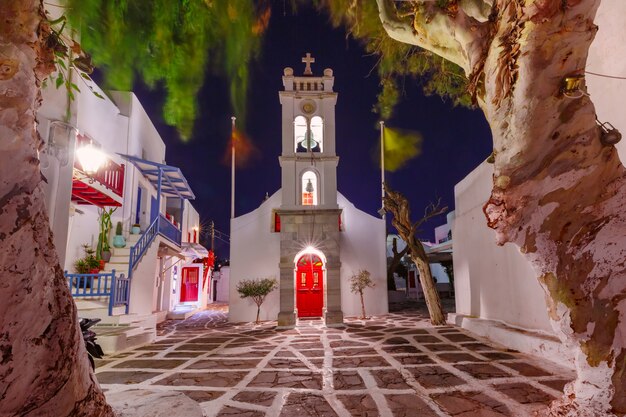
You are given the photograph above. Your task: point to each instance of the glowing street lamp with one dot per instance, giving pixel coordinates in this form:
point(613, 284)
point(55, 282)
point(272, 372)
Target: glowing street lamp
point(90, 158)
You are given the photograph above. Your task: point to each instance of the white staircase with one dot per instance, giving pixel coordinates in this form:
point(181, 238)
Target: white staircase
point(119, 331)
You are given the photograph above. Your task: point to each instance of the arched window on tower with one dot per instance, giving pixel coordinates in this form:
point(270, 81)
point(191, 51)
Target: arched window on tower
point(299, 133)
point(308, 134)
point(317, 133)
point(309, 189)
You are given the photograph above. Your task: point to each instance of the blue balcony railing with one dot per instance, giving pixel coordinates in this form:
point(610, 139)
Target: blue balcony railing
point(168, 230)
point(105, 284)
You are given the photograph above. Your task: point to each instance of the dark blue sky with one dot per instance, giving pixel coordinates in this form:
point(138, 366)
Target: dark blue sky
point(455, 139)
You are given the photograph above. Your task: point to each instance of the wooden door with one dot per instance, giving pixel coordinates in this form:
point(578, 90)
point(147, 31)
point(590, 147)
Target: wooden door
point(309, 286)
point(189, 284)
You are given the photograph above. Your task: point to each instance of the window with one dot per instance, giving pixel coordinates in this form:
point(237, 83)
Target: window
point(308, 134)
point(309, 189)
point(276, 222)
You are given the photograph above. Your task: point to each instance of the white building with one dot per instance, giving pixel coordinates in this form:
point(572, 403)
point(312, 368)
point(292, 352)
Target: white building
point(136, 287)
point(307, 234)
point(497, 292)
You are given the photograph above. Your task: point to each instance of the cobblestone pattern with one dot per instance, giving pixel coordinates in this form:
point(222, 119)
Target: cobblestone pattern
point(397, 365)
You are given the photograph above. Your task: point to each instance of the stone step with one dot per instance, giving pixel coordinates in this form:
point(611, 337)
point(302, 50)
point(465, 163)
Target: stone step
point(121, 251)
point(123, 338)
point(119, 259)
point(132, 239)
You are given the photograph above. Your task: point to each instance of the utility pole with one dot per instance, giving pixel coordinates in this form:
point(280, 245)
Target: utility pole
point(212, 236)
point(232, 176)
point(382, 169)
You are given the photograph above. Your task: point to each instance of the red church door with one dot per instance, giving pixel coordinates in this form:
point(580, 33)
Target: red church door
point(189, 284)
point(309, 286)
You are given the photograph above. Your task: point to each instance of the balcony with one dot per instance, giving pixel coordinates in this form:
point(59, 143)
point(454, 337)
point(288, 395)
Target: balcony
point(102, 188)
point(168, 230)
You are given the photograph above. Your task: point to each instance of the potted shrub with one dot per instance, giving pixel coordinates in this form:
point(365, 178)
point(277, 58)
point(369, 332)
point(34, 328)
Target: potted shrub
point(91, 260)
point(103, 251)
point(136, 229)
point(118, 240)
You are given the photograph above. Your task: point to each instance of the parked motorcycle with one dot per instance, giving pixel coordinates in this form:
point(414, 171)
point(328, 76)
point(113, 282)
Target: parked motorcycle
point(89, 336)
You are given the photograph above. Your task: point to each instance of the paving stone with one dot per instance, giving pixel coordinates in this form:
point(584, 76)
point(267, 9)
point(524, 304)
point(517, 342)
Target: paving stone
point(313, 353)
point(286, 364)
point(150, 363)
point(346, 343)
point(345, 380)
point(413, 359)
point(124, 377)
point(359, 351)
point(441, 347)
point(306, 405)
point(427, 339)
point(148, 347)
point(281, 379)
point(458, 357)
point(183, 354)
point(477, 346)
point(482, 370)
point(201, 396)
point(101, 362)
point(225, 364)
point(458, 337)
point(389, 379)
point(205, 379)
point(264, 398)
point(557, 384)
point(526, 369)
point(197, 346)
point(148, 354)
point(359, 405)
point(524, 393)
point(396, 341)
point(498, 356)
point(359, 362)
point(401, 349)
point(229, 411)
point(408, 405)
point(285, 354)
point(435, 377)
point(143, 403)
point(470, 404)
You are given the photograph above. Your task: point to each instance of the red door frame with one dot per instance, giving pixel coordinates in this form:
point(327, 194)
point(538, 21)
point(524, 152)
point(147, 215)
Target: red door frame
point(189, 283)
point(309, 285)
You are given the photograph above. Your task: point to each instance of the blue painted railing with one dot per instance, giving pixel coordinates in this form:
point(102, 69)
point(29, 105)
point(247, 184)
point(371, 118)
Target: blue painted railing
point(140, 248)
point(105, 284)
point(168, 230)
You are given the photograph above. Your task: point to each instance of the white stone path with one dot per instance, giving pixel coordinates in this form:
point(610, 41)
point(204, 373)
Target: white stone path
point(396, 365)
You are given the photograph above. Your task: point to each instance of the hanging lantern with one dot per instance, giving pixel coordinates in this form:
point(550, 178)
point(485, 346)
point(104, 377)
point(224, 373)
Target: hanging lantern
point(90, 158)
point(309, 187)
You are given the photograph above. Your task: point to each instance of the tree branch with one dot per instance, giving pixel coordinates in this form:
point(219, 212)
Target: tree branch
point(457, 36)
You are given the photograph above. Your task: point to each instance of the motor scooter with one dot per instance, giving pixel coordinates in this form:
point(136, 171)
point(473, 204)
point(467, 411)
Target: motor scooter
point(89, 336)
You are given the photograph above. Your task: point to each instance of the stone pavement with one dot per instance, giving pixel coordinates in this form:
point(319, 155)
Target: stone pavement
point(396, 365)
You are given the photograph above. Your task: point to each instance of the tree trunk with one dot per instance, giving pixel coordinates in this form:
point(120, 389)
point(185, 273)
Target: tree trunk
point(44, 370)
point(363, 316)
point(431, 295)
point(258, 313)
point(398, 205)
point(393, 265)
point(559, 193)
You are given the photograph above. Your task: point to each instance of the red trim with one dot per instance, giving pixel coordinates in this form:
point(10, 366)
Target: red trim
point(276, 222)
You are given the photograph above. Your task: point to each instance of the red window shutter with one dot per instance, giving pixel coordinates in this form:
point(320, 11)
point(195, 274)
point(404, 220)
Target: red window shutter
point(276, 222)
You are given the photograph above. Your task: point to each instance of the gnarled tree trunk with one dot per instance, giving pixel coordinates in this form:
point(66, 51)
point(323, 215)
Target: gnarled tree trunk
point(44, 370)
point(398, 206)
point(558, 193)
point(394, 263)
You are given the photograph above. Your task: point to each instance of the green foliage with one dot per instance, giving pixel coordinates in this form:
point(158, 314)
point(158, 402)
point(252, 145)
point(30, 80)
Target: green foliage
point(257, 289)
point(171, 43)
point(88, 262)
point(105, 225)
point(360, 281)
point(398, 62)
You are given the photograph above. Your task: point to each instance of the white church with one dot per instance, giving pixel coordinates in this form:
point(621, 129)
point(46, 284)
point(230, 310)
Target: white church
point(307, 235)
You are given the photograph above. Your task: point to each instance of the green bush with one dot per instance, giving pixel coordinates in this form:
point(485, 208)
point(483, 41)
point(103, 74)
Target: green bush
point(257, 289)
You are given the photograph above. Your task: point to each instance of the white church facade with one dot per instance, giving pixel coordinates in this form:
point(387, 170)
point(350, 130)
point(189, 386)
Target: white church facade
point(307, 235)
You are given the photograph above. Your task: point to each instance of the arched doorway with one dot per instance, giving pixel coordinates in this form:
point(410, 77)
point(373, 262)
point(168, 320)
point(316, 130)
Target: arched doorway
point(309, 285)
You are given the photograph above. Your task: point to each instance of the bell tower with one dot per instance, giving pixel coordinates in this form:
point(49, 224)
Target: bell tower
point(310, 218)
point(308, 160)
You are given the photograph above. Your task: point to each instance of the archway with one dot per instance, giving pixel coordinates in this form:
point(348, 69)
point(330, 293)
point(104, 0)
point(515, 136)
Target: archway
point(309, 285)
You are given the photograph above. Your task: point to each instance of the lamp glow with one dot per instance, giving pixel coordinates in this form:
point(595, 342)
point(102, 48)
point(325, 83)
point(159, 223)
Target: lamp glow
point(90, 158)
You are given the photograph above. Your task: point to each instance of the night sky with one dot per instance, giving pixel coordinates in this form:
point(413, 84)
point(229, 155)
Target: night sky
point(455, 139)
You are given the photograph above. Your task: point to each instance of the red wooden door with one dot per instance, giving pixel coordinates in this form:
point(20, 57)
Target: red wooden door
point(189, 284)
point(309, 286)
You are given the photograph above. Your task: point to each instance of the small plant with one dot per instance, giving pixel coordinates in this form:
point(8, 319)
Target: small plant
point(118, 229)
point(257, 289)
point(87, 263)
point(104, 221)
point(358, 283)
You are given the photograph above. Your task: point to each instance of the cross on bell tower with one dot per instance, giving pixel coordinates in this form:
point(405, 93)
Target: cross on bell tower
point(308, 60)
